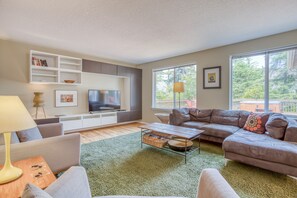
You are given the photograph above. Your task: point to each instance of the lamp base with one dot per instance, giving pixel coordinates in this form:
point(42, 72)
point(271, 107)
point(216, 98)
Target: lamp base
point(10, 173)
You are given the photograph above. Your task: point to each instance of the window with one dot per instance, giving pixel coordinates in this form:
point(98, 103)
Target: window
point(265, 82)
point(163, 95)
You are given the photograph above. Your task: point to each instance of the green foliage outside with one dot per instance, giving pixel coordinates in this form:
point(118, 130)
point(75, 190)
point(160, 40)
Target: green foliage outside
point(164, 81)
point(249, 74)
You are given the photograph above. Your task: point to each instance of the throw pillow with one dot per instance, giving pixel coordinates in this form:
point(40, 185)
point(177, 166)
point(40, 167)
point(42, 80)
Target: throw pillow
point(29, 135)
point(14, 139)
point(276, 126)
point(32, 191)
point(256, 123)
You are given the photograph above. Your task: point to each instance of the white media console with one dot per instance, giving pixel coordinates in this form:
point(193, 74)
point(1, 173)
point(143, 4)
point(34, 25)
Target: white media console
point(72, 123)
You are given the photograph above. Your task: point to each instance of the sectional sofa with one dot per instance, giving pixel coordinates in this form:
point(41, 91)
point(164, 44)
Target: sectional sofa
point(275, 149)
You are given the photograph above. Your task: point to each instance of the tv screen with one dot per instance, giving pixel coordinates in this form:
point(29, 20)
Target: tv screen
point(100, 100)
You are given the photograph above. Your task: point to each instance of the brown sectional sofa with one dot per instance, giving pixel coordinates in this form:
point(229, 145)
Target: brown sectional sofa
point(261, 150)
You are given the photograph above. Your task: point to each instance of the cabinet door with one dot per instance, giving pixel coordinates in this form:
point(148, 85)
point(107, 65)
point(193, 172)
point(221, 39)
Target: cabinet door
point(123, 71)
point(91, 66)
point(136, 89)
point(135, 115)
point(123, 116)
point(109, 69)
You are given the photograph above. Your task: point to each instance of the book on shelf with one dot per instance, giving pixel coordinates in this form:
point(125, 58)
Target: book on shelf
point(39, 62)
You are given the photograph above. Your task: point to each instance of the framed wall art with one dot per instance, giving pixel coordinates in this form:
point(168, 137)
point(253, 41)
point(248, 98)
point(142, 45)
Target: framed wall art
point(212, 77)
point(66, 98)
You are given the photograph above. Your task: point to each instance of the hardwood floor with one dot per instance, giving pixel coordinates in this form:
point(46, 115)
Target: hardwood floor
point(108, 132)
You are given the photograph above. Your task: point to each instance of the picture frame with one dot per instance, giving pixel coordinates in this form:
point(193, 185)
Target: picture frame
point(212, 77)
point(66, 98)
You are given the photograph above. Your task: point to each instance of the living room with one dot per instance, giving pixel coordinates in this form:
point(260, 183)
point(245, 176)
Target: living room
point(236, 62)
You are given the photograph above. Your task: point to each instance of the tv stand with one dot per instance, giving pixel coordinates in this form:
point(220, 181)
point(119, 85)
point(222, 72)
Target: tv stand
point(75, 122)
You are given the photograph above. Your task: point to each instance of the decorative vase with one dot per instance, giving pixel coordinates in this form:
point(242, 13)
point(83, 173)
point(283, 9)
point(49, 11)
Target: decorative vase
point(38, 99)
point(38, 102)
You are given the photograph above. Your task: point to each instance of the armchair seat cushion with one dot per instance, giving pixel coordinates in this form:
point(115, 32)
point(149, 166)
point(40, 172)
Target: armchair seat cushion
point(219, 130)
point(261, 146)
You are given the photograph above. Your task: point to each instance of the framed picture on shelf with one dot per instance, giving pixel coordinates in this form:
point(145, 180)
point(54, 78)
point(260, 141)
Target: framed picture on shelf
point(212, 77)
point(66, 98)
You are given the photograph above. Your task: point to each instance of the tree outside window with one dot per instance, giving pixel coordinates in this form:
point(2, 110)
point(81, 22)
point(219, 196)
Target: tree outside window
point(164, 97)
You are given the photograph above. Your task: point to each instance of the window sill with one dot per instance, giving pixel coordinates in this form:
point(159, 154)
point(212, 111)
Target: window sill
point(161, 109)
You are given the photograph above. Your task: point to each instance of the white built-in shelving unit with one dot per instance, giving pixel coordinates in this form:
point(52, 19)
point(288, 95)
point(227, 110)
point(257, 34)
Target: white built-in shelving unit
point(46, 68)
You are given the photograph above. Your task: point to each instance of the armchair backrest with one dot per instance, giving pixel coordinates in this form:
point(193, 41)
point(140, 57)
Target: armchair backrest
point(213, 185)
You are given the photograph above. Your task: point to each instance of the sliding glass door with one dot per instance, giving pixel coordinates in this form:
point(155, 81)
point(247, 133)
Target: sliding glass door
point(265, 82)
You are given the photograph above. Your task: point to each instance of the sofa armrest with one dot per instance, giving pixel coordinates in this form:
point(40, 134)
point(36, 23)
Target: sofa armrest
point(73, 183)
point(60, 152)
point(291, 131)
point(179, 116)
point(213, 185)
point(51, 130)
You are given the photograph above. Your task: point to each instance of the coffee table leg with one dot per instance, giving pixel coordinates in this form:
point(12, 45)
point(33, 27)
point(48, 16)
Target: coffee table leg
point(141, 138)
point(199, 145)
point(186, 143)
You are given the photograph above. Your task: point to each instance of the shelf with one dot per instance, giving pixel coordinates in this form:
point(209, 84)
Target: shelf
point(70, 71)
point(69, 63)
point(56, 68)
point(75, 84)
point(44, 68)
point(45, 75)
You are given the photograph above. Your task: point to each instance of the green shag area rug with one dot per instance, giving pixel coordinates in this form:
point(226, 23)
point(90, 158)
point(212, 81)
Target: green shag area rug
point(118, 166)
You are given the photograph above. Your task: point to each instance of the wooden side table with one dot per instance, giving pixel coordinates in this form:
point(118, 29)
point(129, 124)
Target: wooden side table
point(35, 171)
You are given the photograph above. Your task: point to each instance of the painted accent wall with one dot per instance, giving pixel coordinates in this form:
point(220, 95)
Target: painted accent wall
point(14, 79)
point(209, 98)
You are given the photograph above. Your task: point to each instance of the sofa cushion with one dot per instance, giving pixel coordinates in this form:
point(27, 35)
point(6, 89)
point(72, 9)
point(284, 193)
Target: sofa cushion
point(243, 116)
point(261, 146)
point(276, 125)
point(194, 124)
point(291, 131)
point(14, 138)
point(29, 135)
point(219, 130)
point(256, 122)
point(32, 191)
point(226, 117)
point(202, 115)
point(178, 116)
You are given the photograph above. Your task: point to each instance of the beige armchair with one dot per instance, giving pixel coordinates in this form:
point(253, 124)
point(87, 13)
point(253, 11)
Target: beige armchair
point(59, 151)
point(74, 183)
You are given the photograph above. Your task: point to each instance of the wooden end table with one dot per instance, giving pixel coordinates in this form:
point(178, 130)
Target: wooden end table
point(35, 171)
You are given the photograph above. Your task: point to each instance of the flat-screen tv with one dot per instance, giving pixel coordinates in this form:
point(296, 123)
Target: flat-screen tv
point(102, 100)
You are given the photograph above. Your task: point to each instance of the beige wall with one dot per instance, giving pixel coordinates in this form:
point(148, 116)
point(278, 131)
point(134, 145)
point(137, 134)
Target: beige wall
point(210, 98)
point(14, 79)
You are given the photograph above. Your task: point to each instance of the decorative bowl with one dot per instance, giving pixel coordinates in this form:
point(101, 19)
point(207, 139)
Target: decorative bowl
point(69, 81)
point(179, 144)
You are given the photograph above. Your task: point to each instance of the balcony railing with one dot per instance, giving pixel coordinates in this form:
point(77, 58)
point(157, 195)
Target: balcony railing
point(277, 106)
point(169, 104)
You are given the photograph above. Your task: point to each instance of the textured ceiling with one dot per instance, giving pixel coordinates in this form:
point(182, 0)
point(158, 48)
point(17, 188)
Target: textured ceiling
point(139, 31)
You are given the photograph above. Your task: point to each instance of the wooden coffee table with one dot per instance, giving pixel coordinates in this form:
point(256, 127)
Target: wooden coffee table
point(35, 171)
point(169, 132)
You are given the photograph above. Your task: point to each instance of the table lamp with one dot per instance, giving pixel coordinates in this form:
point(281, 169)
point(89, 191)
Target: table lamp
point(178, 87)
point(13, 117)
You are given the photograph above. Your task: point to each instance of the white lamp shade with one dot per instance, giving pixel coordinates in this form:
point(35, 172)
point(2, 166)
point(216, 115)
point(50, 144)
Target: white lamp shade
point(14, 115)
point(178, 87)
